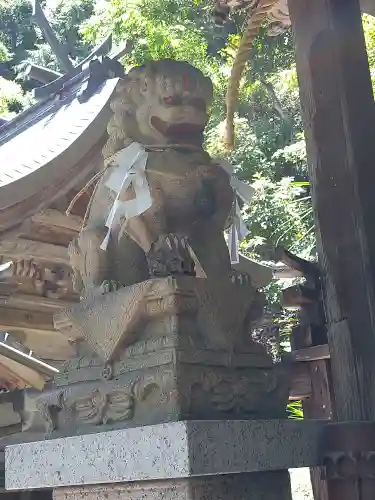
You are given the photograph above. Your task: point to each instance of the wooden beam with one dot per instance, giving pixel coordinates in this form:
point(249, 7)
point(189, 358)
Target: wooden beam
point(21, 319)
point(55, 218)
point(298, 296)
point(314, 353)
point(53, 235)
point(36, 303)
point(285, 273)
point(6, 290)
point(339, 120)
point(19, 249)
point(40, 74)
point(48, 345)
point(52, 346)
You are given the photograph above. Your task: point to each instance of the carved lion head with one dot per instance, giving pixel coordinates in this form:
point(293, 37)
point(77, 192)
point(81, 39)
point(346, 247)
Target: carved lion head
point(163, 102)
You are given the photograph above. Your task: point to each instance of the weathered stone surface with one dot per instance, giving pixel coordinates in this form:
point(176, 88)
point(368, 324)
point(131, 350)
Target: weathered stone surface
point(164, 323)
point(167, 451)
point(182, 349)
point(162, 306)
point(260, 486)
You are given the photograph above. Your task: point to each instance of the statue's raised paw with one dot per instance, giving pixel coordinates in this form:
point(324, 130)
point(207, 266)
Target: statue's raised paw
point(109, 286)
point(170, 255)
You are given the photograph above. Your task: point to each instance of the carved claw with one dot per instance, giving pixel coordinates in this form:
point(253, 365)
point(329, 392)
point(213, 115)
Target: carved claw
point(240, 278)
point(170, 255)
point(109, 286)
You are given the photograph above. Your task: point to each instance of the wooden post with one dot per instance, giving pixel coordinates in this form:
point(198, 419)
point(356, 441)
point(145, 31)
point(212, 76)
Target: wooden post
point(339, 119)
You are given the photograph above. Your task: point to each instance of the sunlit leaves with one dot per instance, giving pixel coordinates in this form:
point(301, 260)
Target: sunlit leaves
point(12, 99)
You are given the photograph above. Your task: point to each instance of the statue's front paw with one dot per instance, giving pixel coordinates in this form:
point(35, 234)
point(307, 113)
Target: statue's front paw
point(109, 286)
point(240, 278)
point(170, 256)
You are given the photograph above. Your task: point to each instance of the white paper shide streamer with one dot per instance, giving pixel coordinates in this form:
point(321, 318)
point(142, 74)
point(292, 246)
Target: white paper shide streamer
point(238, 231)
point(130, 164)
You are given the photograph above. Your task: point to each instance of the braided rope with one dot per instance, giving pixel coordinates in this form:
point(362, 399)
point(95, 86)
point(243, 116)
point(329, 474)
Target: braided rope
point(254, 22)
point(108, 163)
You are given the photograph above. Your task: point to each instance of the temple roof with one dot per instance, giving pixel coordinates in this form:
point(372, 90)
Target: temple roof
point(46, 150)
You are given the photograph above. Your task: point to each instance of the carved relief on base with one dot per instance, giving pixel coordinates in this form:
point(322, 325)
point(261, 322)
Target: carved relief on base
point(168, 392)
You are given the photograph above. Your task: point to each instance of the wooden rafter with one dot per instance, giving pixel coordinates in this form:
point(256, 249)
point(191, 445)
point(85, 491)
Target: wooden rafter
point(18, 249)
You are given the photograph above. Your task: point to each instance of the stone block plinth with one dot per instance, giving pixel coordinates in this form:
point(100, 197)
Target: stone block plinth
point(260, 486)
point(171, 451)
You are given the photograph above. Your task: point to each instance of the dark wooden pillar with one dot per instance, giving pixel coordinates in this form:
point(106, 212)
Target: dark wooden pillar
point(339, 119)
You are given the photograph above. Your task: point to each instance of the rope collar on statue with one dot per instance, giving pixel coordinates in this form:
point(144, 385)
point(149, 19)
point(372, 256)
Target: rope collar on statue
point(183, 148)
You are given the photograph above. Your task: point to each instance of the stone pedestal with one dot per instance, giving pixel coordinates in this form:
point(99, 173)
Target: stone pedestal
point(261, 486)
point(208, 460)
point(167, 349)
point(164, 400)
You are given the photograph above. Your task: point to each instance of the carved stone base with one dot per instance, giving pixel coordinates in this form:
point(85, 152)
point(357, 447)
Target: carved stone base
point(191, 357)
point(161, 385)
point(254, 486)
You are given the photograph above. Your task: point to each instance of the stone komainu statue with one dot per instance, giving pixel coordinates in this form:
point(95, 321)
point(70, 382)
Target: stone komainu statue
point(161, 106)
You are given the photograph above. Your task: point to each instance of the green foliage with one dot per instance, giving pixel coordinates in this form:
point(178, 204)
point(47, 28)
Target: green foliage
point(369, 31)
point(295, 411)
point(279, 215)
point(66, 17)
point(23, 41)
point(17, 32)
point(158, 30)
point(4, 53)
point(12, 98)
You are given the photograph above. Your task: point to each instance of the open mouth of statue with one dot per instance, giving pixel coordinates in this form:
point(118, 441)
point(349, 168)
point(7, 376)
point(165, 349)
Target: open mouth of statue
point(179, 133)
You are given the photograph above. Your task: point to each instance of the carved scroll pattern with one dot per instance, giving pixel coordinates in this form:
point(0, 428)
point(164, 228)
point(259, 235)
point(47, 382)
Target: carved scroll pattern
point(102, 405)
point(253, 393)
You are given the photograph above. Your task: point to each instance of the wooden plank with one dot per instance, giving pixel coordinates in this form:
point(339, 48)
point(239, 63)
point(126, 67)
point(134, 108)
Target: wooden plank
point(46, 234)
point(304, 267)
point(339, 120)
point(285, 273)
point(298, 296)
point(319, 406)
point(51, 217)
point(50, 346)
point(16, 318)
point(313, 353)
point(36, 303)
point(300, 337)
point(300, 382)
point(18, 249)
